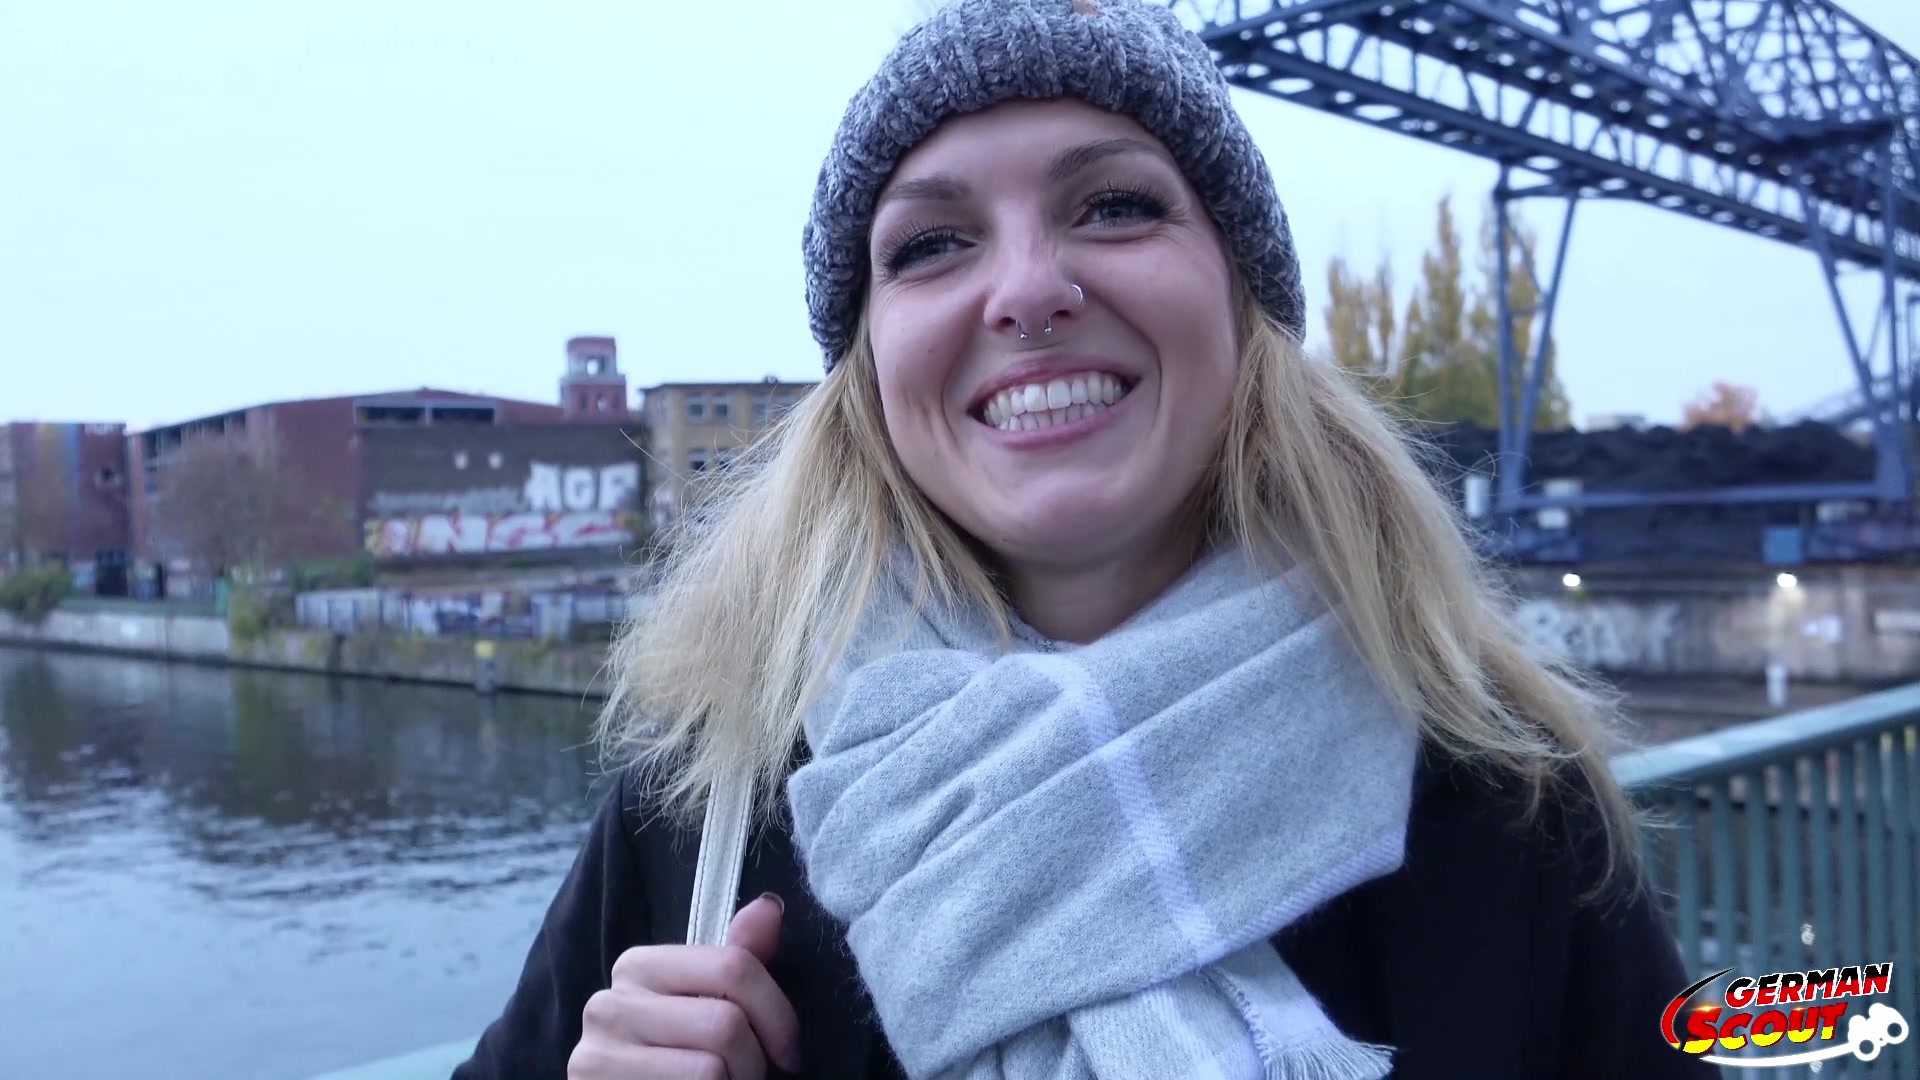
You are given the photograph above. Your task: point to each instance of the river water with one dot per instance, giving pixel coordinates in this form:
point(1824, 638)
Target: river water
point(217, 874)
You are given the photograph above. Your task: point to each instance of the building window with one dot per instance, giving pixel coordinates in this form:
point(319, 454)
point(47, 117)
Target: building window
point(461, 414)
point(493, 460)
point(697, 460)
point(762, 407)
point(723, 458)
point(720, 407)
point(108, 477)
point(600, 402)
point(696, 407)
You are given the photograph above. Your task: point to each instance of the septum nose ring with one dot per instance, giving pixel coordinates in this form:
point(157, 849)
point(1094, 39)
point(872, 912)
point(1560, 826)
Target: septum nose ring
point(1079, 301)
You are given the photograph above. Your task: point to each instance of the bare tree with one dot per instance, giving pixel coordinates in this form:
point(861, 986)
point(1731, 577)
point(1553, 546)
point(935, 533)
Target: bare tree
point(228, 501)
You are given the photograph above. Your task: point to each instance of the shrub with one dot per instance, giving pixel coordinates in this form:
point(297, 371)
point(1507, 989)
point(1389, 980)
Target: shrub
point(350, 573)
point(252, 612)
point(32, 594)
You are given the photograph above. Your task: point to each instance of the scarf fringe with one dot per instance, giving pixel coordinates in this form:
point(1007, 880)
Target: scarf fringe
point(1340, 1059)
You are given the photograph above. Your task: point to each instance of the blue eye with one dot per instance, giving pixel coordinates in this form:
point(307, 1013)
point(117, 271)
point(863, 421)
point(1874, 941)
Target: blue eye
point(1119, 206)
point(916, 247)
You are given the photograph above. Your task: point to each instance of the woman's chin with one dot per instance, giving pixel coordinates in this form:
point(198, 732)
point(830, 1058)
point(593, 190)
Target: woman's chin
point(1061, 526)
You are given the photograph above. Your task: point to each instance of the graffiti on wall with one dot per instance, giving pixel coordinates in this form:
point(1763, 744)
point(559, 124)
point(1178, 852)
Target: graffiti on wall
point(560, 506)
point(493, 500)
point(551, 488)
point(472, 534)
point(582, 487)
point(1607, 636)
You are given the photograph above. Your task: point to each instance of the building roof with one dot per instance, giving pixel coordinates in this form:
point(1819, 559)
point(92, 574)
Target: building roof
point(92, 425)
point(769, 381)
point(380, 397)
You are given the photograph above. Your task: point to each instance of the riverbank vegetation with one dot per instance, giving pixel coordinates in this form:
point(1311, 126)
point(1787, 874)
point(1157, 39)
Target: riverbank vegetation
point(32, 594)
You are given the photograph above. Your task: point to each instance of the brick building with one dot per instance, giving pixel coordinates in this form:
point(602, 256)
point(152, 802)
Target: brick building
point(696, 427)
point(63, 498)
point(324, 446)
point(593, 387)
point(567, 491)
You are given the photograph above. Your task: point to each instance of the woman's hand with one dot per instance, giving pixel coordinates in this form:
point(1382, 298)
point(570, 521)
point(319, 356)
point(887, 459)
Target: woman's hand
point(687, 1012)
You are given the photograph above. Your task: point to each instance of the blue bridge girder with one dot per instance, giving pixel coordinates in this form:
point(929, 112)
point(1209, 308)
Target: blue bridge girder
point(1845, 408)
point(1786, 119)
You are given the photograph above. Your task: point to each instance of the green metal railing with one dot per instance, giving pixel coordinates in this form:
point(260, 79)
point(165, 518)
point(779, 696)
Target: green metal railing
point(1791, 844)
point(1778, 845)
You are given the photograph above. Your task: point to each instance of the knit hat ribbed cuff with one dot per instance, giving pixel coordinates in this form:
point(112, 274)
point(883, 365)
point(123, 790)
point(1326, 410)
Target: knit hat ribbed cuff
point(1129, 57)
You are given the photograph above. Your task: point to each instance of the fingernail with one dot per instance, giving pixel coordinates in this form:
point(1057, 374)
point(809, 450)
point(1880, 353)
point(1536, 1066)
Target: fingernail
point(777, 902)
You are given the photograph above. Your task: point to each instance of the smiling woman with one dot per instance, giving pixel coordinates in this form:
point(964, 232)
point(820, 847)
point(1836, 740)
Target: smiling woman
point(1021, 252)
point(1118, 696)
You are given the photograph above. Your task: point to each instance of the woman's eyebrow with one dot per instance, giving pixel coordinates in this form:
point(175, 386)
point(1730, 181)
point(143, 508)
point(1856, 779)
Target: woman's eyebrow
point(942, 187)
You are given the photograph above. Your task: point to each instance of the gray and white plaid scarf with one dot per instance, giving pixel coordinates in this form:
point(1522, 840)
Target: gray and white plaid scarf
point(1066, 862)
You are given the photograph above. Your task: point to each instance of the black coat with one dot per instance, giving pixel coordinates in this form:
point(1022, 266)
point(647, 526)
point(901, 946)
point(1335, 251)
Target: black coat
point(1476, 960)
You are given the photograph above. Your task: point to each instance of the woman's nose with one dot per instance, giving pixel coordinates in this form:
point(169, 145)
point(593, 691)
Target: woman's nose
point(1038, 311)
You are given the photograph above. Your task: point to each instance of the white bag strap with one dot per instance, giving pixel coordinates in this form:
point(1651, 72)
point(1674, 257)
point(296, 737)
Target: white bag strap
point(723, 851)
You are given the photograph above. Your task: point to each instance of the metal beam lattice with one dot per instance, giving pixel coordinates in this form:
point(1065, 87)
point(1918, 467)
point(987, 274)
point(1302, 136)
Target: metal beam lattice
point(1786, 119)
point(1715, 108)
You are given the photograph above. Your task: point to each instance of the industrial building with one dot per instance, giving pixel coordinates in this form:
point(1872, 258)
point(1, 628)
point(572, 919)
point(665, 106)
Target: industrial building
point(696, 428)
point(367, 466)
point(63, 498)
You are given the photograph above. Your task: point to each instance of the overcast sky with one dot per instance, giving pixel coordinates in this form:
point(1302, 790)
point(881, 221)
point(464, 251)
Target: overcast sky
point(212, 203)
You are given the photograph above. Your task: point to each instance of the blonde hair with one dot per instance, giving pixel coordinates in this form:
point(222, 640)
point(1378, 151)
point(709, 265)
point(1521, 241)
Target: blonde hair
point(763, 589)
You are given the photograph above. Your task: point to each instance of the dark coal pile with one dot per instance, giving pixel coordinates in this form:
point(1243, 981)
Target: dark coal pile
point(1664, 461)
point(1668, 459)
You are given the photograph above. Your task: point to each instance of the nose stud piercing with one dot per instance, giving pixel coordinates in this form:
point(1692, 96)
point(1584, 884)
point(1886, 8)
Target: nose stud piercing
point(1079, 300)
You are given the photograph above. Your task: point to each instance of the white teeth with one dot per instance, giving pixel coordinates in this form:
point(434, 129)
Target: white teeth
point(1036, 406)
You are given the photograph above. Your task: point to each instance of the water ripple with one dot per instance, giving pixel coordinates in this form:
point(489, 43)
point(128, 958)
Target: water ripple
point(226, 866)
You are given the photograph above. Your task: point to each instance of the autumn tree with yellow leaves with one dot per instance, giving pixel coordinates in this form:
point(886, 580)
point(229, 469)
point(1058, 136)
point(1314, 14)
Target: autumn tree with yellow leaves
point(1727, 405)
point(1436, 358)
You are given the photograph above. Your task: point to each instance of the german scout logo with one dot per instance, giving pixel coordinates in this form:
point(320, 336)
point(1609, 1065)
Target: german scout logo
point(1802, 1016)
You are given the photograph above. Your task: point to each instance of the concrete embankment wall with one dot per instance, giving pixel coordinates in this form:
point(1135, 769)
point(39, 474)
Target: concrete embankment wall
point(1844, 624)
point(1858, 624)
point(518, 665)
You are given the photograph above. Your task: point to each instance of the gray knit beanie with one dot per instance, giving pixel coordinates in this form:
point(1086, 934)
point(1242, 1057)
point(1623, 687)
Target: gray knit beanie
point(1129, 57)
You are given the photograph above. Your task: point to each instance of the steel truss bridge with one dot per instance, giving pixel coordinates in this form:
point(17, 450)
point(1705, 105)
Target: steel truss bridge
point(1786, 119)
